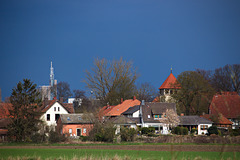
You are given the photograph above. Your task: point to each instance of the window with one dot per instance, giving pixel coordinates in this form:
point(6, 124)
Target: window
point(79, 131)
point(58, 108)
point(54, 108)
point(157, 116)
point(48, 117)
point(84, 130)
point(56, 117)
point(79, 118)
point(70, 130)
point(204, 127)
point(149, 116)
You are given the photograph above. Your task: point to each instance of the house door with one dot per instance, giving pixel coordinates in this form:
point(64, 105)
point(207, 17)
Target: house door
point(79, 131)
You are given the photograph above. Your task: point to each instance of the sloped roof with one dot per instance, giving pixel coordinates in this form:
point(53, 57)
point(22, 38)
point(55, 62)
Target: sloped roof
point(193, 120)
point(227, 104)
point(68, 106)
point(122, 120)
point(151, 108)
point(221, 119)
point(157, 99)
point(169, 83)
point(4, 110)
point(131, 110)
point(103, 111)
point(76, 118)
point(119, 109)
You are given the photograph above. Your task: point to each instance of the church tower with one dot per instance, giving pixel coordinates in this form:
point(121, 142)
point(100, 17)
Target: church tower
point(168, 88)
point(53, 83)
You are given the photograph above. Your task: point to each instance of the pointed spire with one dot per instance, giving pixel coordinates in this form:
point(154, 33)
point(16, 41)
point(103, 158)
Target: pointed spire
point(171, 68)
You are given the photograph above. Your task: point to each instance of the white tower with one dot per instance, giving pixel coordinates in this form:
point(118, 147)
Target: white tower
point(53, 85)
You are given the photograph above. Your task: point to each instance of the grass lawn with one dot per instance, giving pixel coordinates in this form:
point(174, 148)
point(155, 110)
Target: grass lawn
point(99, 153)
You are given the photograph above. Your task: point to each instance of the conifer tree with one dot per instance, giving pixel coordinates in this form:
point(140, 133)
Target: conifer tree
point(24, 115)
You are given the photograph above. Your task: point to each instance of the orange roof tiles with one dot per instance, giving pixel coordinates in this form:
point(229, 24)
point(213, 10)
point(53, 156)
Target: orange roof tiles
point(169, 83)
point(125, 105)
point(103, 111)
point(227, 104)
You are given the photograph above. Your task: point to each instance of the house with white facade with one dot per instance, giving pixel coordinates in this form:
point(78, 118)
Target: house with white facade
point(199, 123)
point(52, 110)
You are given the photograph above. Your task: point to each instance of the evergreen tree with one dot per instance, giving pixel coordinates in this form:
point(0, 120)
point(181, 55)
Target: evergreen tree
point(24, 114)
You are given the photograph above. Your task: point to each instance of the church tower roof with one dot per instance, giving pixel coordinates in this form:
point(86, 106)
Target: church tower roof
point(169, 82)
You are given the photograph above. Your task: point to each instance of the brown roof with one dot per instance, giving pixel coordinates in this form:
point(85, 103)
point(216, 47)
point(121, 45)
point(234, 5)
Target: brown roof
point(227, 104)
point(221, 119)
point(151, 108)
point(119, 109)
point(68, 106)
point(169, 83)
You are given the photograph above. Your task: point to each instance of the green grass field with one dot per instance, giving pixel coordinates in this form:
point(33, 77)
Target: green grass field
point(102, 154)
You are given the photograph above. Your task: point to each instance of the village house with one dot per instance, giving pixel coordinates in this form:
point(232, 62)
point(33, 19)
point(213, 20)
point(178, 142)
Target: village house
point(228, 105)
point(4, 120)
point(51, 111)
point(154, 114)
point(195, 122)
point(75, 125)
point(114, 111)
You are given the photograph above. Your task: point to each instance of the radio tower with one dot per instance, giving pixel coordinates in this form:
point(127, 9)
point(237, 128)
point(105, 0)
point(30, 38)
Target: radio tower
point(52, 84)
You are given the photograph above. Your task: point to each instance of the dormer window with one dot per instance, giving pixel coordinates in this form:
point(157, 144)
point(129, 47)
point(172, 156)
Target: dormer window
point(157, 116)
point(54, 108)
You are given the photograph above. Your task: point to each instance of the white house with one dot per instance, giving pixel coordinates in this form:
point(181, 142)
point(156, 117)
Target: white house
point(51, 112)
point(199, 123)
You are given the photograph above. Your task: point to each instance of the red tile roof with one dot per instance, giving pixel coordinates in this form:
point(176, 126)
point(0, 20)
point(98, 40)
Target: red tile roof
point(221, 119)
point(4, 110)
point(125, 105)
point(103, 111)
point(169, 83)
point(227, 104)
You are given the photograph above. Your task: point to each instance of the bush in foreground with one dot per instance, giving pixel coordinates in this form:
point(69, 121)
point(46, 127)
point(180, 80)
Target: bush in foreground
point(180, 131)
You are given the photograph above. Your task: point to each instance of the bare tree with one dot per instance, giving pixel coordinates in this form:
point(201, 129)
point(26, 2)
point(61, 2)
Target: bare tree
point(111, 80)
point(63, 90)
point(146, 91)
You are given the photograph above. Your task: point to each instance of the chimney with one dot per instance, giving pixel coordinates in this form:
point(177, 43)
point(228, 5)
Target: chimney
point(182, 114)
point(61, 99)
point(121, 100)
point(134, 97)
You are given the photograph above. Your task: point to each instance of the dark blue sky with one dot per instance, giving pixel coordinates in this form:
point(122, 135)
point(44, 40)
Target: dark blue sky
point(153, 34)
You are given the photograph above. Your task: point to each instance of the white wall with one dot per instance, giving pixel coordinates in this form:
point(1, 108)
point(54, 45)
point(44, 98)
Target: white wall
point(200, 132)
point(136, 114)
point(52, 113)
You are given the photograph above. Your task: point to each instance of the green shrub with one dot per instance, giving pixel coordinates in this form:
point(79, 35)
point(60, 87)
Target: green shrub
point(180, 131)
point(194, 131)
point(234, 132)
point(38, 138)
point(127, 134)
point(84, 138)
point(212, 130)
point(147, 130)
point(55, 137)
